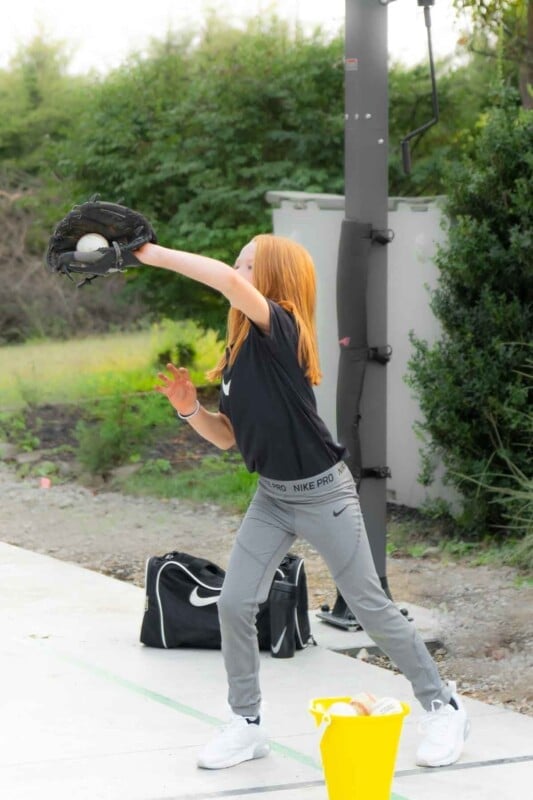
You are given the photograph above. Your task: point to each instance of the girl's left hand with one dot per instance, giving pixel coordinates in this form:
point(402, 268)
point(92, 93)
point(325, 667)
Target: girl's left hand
point(179, 389)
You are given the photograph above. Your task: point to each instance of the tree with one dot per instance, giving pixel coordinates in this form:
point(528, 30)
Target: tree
point(38, 102)
point(195, 133)
point(511, 23)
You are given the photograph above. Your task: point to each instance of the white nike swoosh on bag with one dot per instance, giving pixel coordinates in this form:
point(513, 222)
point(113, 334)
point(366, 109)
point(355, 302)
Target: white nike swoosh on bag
point(196, 600)
point(277, 647)
point(225, 387)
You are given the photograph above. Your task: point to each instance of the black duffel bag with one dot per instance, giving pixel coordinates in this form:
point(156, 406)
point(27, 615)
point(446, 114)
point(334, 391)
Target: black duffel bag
point(180, 605)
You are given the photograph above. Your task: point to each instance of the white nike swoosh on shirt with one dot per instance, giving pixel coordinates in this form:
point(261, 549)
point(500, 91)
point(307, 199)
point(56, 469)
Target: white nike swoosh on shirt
point(277, 647)
point(196, 600)
point(225, 387)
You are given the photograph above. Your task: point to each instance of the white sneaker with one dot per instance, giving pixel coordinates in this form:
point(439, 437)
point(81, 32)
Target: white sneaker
point(238, 741)
point(445, 729)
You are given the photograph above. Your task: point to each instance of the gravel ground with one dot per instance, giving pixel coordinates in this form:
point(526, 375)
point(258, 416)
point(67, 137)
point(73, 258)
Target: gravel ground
point(488, 631)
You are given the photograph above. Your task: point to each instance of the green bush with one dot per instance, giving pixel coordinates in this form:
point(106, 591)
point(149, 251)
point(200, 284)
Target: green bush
point(175, 341)
point(471, 381)
point(513, 493)
point(14, 427)
point(118, 430)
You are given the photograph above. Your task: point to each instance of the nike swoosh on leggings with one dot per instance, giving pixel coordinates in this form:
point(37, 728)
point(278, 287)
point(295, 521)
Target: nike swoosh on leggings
point(338, 513)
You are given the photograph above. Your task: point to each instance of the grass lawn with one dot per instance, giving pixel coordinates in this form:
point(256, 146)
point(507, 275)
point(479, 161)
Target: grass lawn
point(220, 479)
point(78, 369)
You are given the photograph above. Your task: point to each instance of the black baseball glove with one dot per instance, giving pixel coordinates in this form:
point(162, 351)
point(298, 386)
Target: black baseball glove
point(125, 230)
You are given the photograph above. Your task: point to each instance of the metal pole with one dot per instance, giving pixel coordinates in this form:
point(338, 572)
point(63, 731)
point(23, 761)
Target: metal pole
point(362, 266)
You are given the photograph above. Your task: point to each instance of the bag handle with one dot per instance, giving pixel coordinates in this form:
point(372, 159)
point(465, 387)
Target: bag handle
point(195, 562)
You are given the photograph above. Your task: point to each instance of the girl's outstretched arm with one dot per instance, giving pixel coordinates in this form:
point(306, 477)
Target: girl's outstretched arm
point(240, 292)
point(181, 394)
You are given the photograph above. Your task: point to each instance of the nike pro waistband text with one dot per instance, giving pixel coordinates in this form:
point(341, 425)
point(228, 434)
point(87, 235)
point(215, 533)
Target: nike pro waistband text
point(317, 484)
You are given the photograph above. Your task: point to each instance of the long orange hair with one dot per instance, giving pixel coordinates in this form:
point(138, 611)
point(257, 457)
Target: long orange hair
point(283, 272)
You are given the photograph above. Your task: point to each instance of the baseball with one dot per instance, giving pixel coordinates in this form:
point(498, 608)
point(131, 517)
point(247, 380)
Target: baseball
point(90, 242)
point(341, 709)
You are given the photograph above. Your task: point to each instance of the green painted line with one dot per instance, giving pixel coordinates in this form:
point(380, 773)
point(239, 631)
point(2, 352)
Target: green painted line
point(182, 708)
point(140, 690)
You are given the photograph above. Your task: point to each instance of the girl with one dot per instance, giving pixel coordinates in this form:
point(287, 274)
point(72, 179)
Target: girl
point(268, 410)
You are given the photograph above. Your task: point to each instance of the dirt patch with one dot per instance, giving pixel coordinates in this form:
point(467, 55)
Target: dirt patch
point(54, 427)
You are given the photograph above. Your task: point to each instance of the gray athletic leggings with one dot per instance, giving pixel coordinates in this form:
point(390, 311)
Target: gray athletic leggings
point(323, 510)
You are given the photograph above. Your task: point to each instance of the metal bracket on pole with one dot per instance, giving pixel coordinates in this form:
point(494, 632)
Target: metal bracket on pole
point(380, 354)
point(376, 472)
point(382, 237)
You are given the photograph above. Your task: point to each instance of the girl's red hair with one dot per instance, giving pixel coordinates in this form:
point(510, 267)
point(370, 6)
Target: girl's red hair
point(283, 272)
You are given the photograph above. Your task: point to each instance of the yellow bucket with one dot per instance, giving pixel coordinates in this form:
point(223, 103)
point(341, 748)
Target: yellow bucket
point(358, 753)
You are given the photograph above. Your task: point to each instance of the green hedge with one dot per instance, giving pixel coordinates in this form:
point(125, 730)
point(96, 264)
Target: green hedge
point(473, 383)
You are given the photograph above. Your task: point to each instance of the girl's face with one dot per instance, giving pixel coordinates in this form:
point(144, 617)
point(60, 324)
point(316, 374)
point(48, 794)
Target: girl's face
point(244, 264)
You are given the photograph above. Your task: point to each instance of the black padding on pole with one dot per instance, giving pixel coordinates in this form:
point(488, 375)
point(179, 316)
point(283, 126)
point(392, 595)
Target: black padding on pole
point(352, 273)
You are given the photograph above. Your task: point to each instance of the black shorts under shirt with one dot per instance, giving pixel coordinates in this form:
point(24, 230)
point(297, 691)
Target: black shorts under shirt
point(272, 406)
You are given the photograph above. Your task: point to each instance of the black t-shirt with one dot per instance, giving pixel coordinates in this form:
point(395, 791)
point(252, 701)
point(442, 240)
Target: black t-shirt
point(272, 406)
